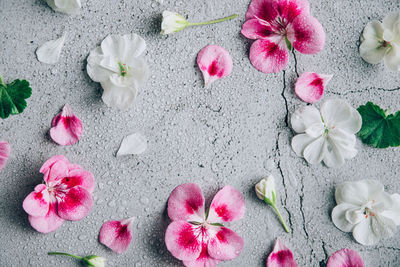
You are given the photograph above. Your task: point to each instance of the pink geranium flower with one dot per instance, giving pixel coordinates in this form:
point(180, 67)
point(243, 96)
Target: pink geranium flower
point(117, 235)
point(66, 128)
point(5, 150)
point(277, 26)
point(65, 195)
point(198, 238)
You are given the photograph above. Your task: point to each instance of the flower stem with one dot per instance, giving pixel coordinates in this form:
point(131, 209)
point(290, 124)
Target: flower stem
point(281, 219)
point(213, 21)
point(65, 254)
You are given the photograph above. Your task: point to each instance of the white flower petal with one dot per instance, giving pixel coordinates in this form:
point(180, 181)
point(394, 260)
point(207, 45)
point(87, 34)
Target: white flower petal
point(392, 58)
point(370, 230)
point(371, 49)
point(96, 71)
point(125, 47)
point(315, 130)
point(354, 215)
point(314, 152)
point(394, 211)
point(300, 142)
point(172, 22)
point(50, 51)
point(392, 23)
point(333, 157)
point(65, 6)
point(373, 30)
point(353, 123)
point(334, 111)
point(133, 144)
point(118, 97)
point(343, 142)
point(305, 117)
point(339, 216)
point(357, 193)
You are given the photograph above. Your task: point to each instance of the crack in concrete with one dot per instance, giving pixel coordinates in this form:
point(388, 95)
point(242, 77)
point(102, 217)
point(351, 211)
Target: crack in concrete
point(284, 98)
point(302, 208)
point(295, 63)
point(325, 252)
point(367, 89)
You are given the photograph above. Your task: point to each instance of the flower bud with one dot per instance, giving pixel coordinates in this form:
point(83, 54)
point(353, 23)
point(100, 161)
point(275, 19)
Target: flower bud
point(265, 189)
point(94, 261)
point(172, 22)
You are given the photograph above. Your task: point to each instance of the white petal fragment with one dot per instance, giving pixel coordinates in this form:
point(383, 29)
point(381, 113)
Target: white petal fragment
point(133, 144)
point(50, 51)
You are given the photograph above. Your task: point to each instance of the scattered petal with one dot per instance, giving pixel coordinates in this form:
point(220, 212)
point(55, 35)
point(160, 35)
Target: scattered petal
point(66, 127)
point(310, 86)
point(281, 256)
point(214, 62)
point(5, 151)
point(133, 144)
point(50, 51)
point(345, 258)
point(117, 235)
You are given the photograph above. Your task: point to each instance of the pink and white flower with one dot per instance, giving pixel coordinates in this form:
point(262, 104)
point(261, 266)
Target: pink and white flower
point(281, 256)
point(65, 195)
point(66, 128)
point(198, 238)
point(117, 235)
point(310, 86)
point(214, 62)
point(5, 150)
point(345, 258)
point(277, 26)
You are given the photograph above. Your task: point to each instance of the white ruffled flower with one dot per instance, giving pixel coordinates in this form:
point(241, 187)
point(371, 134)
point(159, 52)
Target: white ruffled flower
point(328, 136)
point(381, 41)
point(366, 210)
point(65, 6)
point(119, 67)
point(172, 22)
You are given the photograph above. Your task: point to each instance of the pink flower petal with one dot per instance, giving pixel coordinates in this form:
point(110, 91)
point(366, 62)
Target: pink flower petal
point(48, 223)
point(268, 10)
point(255, 29)
point(281, 256)
point(78, 177)
point(66, 128)
point(186, 203)
point(57, 171)
point(226, 244)
point(228, 205)
point(345, 258)
point(50, 162)
point(37, 202)
point(204, 260)
point(5, 150)
point(269, 56)
point(184, 240)
point(116, 235)
point(310, 86)
point(214, 62)
point(74, 204)
point(309, 36)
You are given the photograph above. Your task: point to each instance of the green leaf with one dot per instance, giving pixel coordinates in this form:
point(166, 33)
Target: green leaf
point(12, 97)
point(379, 129)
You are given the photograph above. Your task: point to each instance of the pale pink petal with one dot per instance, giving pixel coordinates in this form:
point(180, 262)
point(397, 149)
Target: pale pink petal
point(184, 240)
point(48, 223)
point(345, 258)
point(228, 205)
point(116, 235)
point(308, 36)
point(310, 86)
point(50, 162)
point(268, 10)
point(5, 150)
point(186, 203)
point(77, 177)
point(225, 245)
point(204, 260)
point(66, 128)
point(56, 172)
point(281, 256)
point(74, 204)
point(268, 55)
point(255, 29)
point(214, 62)
point(37, 202)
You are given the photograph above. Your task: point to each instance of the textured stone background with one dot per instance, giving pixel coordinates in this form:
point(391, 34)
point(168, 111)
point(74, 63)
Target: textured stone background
point(233, 133)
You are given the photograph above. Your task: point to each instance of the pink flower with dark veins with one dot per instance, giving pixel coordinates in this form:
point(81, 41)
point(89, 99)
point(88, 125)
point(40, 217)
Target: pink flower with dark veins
point(281, 256)
point(65, 195)
point(5, 150)
point(117, 235)
point(310, 86)
point(278, 26)
point(345, 258)
point(198, 238)
point(66, 128)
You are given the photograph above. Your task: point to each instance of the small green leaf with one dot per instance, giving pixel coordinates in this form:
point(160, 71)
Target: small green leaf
point(217, 224)
point(379, 129)
point(12, 97)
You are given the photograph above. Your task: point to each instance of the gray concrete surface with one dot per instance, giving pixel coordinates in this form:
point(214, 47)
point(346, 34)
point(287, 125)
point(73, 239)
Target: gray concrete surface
point(232, 133)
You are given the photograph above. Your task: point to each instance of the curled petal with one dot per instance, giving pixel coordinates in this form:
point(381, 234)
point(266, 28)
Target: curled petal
point(269, 55)
point(48, 223)
point(255, 29)
point(66, 127)
point(304, 117)
point(345, 258)
point(133, 144)
point(116, 235)
point(186, 203)
point(184, 240)
point(56, 172)
point(50, 51)
point(228, 205)
point(310, 86)
point(308, 35)
point(214, 62)
point(74, 204)
point(225, 245)
point(281, 256)
point(5, 150)
point(37, 202)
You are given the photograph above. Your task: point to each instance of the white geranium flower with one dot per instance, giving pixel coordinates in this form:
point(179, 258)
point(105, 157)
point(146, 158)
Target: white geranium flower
point(65, 6)
point(119, 67)
point(381, 41)
point(366, 210)
point(328, 136)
